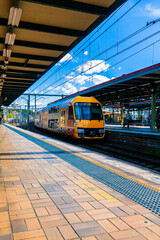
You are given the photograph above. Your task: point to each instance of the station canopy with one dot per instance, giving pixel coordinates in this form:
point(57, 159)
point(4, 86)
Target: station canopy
point(137, 87)
point(48, 29)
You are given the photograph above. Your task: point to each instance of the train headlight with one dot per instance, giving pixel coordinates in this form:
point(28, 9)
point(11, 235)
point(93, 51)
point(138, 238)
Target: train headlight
point(75, 123)
point(101, 130)
point(80, 130)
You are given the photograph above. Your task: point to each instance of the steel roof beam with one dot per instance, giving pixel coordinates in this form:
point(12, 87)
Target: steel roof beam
point(20, 72)
point(46, 28)
point(74, 6)
point(16, 85)
point(25, 76)
point(34, 57)
point(16, 88)
point(15, 64)
point(9, 81)
point(154, 75)
point(38, 45)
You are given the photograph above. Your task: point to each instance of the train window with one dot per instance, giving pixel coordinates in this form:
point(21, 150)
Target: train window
point(96, 112)
point(70, 112)
point(78, 112)
point(52, 123)
point(53, 110)
point(63, 118)
point(88, 111)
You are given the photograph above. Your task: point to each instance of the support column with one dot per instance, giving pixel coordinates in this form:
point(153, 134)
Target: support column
point(153, 111)
point(20, 116)
point(138, 113)
point(25, 114)
point(122, 114)
point(113, 115)
point(35, 106)
point(28, 108)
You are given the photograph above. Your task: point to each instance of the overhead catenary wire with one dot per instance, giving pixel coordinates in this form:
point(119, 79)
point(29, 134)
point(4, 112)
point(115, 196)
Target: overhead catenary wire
point(127, 57)
point(99, 54)
point(90, 42)
point(158, 32)
point(77, 53)
point(128, 37)
point(109, 58)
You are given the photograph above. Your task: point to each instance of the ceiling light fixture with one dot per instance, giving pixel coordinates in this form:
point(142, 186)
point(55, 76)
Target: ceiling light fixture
point(3, 75)
point(10, 38)
point(4, 67)
point(6, 61)
point(14, 16)
point(7, 53)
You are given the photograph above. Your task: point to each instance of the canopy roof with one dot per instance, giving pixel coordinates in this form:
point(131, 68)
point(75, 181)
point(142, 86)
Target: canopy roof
point(136, 86)
point(47, 31)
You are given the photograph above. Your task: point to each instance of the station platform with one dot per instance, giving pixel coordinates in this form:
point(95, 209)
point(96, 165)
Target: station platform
point(51, 190)
point(135, 139)
point(133, 129)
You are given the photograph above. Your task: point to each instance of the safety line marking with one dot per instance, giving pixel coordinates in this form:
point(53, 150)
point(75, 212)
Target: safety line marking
point(91, 188)
point(98, 164)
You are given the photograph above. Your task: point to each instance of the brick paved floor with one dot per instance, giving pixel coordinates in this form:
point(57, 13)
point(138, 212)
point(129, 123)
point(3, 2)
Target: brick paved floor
point(42, 197)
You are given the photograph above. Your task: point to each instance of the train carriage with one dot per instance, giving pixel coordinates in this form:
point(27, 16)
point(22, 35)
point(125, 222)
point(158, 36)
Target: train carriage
point(79, 117)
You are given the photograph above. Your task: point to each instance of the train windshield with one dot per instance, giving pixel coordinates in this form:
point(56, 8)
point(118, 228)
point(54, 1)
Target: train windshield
point(88, 111)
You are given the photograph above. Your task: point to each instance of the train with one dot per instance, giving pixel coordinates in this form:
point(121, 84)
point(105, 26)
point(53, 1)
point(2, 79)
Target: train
point(77, 117)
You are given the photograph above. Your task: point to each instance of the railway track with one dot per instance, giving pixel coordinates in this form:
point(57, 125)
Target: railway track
point(129, 156)
point(114, 150)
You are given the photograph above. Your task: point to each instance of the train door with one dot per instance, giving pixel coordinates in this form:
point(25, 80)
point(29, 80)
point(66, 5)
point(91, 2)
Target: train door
point(46, 119)
point(63, 117)
point(70, 121)
point(40, 119)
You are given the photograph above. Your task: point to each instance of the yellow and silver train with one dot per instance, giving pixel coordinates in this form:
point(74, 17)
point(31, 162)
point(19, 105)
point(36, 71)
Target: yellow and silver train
point(79, 117)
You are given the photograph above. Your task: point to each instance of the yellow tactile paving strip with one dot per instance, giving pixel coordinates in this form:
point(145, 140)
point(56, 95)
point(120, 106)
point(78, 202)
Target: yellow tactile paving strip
point(43, 197)
point(98, 164)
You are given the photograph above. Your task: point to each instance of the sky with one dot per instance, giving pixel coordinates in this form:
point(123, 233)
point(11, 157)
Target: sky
point(120, 45)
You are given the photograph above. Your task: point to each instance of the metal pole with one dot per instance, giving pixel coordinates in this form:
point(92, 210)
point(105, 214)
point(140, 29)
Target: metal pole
point(7, 115)
point(35, 106)
point(20, 116)
point(25, 113)
point(121, 114)
point(28, 107)
point(113, 114)
point(138, 113)
point(153, 111)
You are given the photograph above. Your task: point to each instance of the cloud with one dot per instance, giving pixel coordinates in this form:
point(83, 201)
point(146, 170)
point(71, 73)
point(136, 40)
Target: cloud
point(153, 11)
point(53, 88)
point(93, 66)
point(119, 68)
point(70, 75)
point(50, 88)
point(57, 88)
point(81, 79)
point(97, 79)
point(67, 57)
point(35, 91)
point(86, 53)
point(82, 88)
point(69, 88)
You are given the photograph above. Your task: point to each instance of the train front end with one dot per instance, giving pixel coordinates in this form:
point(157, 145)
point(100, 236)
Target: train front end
point(88, 118)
